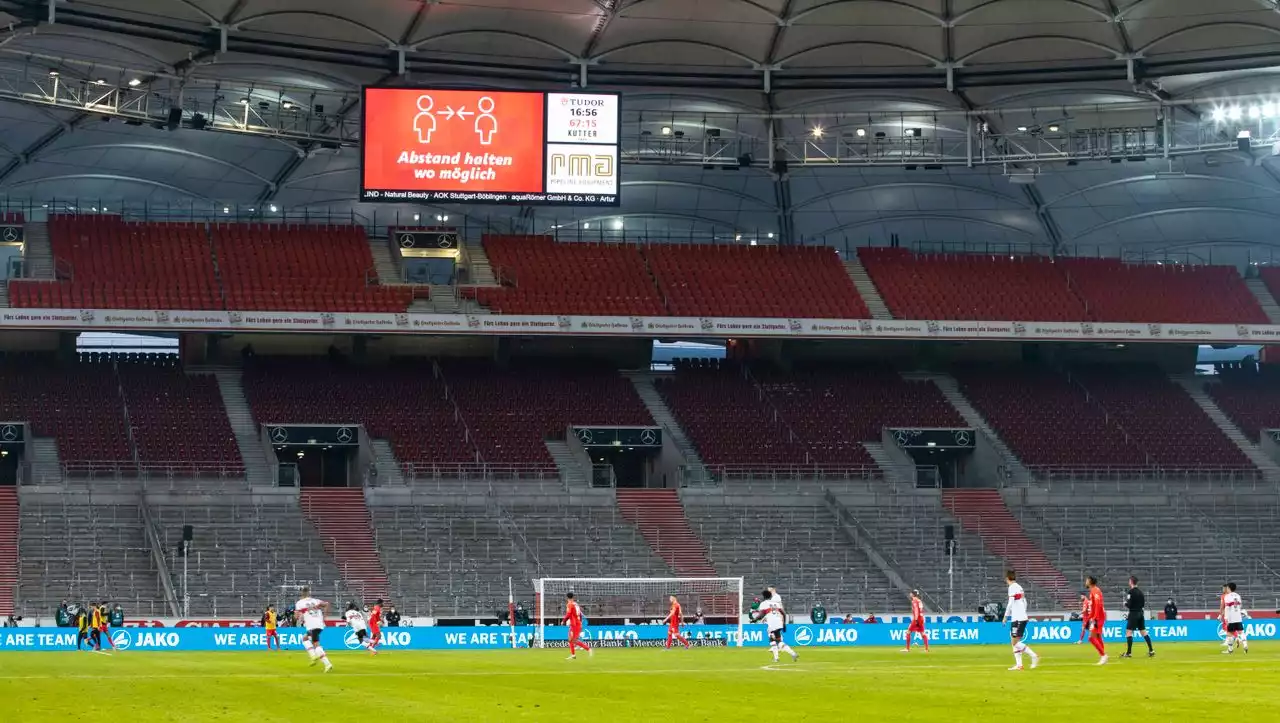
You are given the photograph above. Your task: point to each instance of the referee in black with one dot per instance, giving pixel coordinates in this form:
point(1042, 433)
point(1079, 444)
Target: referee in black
point(1135, 601)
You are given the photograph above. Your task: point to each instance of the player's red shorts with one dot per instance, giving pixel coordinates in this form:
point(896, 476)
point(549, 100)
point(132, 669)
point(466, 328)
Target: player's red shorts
point(673, 629)
point(1096, 630)
point(102, 628)
point(917, 626)
point(375, 632)
point(272, 634)
point(575, 633)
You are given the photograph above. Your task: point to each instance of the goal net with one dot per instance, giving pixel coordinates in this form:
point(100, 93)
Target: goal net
point(640, 600)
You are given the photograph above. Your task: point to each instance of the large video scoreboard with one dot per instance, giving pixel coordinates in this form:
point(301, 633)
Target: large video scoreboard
point(422, 145)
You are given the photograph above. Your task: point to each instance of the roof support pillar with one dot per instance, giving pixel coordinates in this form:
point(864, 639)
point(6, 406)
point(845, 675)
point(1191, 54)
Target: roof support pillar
point(53, 11)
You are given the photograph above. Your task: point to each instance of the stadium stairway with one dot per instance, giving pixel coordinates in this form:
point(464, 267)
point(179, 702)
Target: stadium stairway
point(983, 511)
point(867, 288)
point(1259, 289)
point(39, 252)
point(1194, 387)
point(231, 387)
point(661, 413)
point(951, 390)
point(660, 517)
point(8, 548)
point(342, 518)
point(478, 266)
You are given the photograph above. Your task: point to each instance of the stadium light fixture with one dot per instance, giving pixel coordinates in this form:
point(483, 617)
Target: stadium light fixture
point(816, 131)
point(862, 132)
point(1235, 112)
point(753, 242)
point(100, 81)
point(666, 130)
point(1219, 115)
point(770, 234)
point(53, 73)
point(586, 224)
point(1053, 129)
point(274, 208)
point(738, 237)
point(1268, 110)
point(226, 209)
point(134, 82)
point(417, 216)
point(445, 217)
point(617, 224)
point(1255, 112)
point(1022, 129)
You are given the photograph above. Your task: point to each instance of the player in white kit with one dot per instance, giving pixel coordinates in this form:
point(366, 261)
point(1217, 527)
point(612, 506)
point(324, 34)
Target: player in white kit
point(1232, 614)
point(775, 616)
point(356, 621)
point(1015, 612)
point(310, 612)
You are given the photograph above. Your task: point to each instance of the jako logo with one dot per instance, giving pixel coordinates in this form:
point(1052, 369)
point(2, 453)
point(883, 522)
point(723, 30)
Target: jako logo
point(804, 635)
point(122, 639)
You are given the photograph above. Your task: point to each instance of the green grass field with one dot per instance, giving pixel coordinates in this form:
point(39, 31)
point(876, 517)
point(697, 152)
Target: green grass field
point(1186, 682)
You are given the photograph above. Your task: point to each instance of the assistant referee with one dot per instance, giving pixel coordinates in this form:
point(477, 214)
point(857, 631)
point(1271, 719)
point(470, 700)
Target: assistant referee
point(1135, 601)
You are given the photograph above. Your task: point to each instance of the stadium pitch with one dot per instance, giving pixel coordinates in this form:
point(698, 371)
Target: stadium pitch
point(1188, 681)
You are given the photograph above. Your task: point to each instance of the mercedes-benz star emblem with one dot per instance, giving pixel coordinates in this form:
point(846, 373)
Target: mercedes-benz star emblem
point(8, 432)
point(962, 437)
point(446, 241)
point(11, 233)
point(345, 435)
point(585, 435)
point(279, 434)
point(649, 436)
point(408, 240)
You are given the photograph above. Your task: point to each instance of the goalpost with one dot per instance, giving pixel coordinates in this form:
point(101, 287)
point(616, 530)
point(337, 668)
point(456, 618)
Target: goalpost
point(640, 599)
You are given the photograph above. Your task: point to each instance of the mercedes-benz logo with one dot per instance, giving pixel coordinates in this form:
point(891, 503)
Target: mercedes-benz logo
point(408, 240)
point(649, 436)
point(586, 435)
point(901, 436)
point(962, 438)
point(446, 241)
point(11, 233)
point(8, 432)
point(345, 435)
point(279, 434)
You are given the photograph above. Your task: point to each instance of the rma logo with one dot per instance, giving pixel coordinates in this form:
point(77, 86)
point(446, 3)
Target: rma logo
point(582, 165)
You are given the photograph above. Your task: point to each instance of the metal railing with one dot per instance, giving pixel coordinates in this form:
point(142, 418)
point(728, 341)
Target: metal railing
point(713, 474)
point(145, 471)
point(1140, 474)
point(416, 473)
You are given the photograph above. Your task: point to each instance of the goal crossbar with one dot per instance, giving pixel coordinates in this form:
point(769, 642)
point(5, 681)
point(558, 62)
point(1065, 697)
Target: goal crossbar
point(640, 599)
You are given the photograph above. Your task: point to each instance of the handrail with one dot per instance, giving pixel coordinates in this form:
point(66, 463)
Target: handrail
point(157, 555)
point(867, 541)
point(1182, 505)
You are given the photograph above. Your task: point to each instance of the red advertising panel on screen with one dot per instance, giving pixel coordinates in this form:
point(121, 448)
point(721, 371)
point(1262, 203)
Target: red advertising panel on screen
point(484, 146)
point(453, 140)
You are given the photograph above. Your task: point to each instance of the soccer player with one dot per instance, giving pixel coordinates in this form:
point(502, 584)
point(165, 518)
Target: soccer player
point(1097, 618)
point(355, 621)
point(775, 616)
point(269, 622)
point(375, 624)
point(1135, 602)
point(95, 626)
point(573, 618)
point(1232, 613)
point(673, 624)
point(104, 629)
point(1084, 616)
point(917, 622)
point(1015, 612)
point(311, 612)
point(82, 628)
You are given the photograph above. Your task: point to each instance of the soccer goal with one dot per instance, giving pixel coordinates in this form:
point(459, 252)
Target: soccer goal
point(640, 599)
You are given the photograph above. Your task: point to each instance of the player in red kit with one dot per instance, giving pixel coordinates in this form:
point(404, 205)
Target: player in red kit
point(673, 624)
point(1084, 616)
point(1097, 618)
point(375, 624)
point(917, 622)
point(573, 618)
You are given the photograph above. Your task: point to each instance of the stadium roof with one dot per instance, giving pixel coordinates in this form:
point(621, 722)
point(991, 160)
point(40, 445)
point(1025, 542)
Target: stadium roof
point(1022, 123)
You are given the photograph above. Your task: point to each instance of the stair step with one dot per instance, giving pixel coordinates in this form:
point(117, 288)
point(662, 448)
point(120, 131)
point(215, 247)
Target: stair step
point(866, 287)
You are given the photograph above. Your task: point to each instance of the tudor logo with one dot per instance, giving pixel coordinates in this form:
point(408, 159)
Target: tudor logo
point(279, 434)
point(345, 435)
point(408, 240)
point(122, 639)
point(649, 436)
point(350, 640)
point(8, 433)
point(11, 233)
